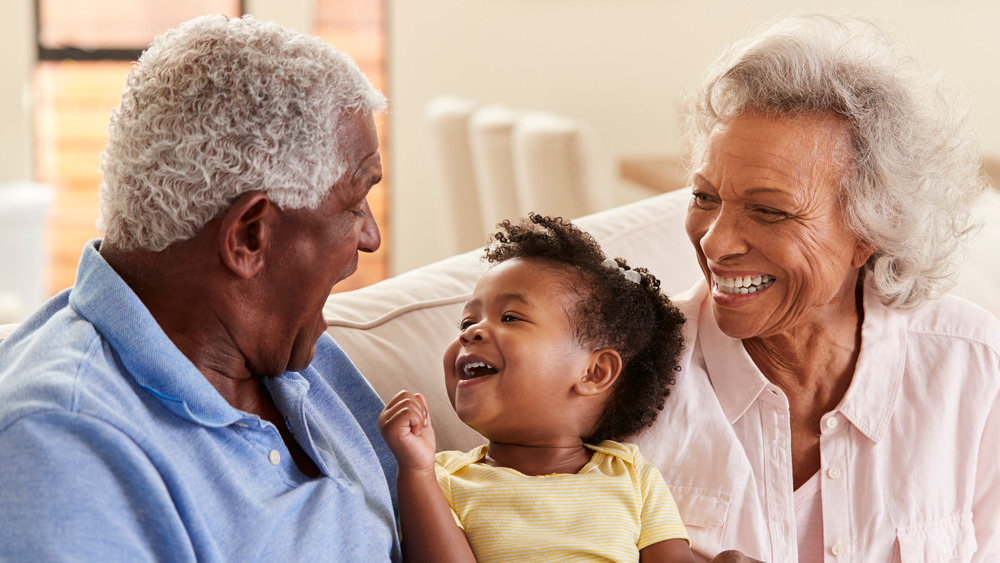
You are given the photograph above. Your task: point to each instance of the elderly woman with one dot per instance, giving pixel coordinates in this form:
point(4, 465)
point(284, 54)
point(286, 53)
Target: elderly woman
point(835, 402)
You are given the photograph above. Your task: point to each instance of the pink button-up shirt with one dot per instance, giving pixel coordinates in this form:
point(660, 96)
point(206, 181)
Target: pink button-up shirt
point(910, 458)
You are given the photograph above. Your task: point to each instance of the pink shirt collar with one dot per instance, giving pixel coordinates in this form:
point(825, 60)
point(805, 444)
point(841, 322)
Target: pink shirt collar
point(869, 401)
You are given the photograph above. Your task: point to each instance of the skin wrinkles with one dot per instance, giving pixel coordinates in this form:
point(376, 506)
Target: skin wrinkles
point(257, 272)
point(765, 201)
point(320, 248)
point(243, 298)
point(771, 216)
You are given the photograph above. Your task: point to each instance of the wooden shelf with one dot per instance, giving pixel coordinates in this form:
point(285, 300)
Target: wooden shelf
point(661, 173)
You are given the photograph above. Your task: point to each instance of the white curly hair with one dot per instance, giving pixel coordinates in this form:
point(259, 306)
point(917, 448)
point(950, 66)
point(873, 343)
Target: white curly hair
point(218, 107)
point(916, 167)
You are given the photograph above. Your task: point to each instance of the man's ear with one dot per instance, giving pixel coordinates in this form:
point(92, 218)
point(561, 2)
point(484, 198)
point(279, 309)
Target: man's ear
point(245, 233)
point(605, 367)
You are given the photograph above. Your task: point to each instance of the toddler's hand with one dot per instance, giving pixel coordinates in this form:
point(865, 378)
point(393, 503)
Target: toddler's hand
point(405, 424)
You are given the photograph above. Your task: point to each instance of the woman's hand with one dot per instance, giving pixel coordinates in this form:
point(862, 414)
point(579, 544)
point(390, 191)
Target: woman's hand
point(405, 424)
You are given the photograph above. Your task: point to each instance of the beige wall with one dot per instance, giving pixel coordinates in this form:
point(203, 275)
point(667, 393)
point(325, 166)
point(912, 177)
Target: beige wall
point(621, 65)
point(17, 43)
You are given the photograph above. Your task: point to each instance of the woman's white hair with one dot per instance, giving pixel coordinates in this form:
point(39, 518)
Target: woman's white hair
point(916, 168)
point(218, 107)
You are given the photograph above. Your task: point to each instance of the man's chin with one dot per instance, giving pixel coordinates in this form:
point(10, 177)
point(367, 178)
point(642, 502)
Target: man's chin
point(299, 362)
point(304, 349)
point(347, 272)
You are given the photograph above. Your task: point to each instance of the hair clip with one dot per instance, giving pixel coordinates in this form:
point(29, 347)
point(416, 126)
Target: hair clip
point(631, 275)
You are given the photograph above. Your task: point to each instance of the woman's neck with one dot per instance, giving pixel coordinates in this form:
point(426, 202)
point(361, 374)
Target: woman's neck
point(814, 367)
point(815, 357)
point(538, 459)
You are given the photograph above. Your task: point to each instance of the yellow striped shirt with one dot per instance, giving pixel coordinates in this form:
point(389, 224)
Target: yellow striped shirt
point(615, 506)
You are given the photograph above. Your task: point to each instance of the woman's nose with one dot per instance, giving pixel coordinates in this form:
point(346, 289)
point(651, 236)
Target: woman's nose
point(725, 235)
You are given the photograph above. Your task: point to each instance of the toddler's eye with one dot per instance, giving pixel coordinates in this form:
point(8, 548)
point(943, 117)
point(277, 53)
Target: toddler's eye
point(508, 318)
point(464, 324)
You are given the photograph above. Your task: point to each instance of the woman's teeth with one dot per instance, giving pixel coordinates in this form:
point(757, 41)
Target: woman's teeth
point(743, 285)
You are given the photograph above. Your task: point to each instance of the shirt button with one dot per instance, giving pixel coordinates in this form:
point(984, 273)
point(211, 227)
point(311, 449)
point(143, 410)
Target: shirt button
point(832, 422)
point(834, 473)
point(274, 457)
point(944, 548)
point(837, 549)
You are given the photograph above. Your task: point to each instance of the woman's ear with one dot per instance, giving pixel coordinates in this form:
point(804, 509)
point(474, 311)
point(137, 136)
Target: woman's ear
point(605, 367)
point(862, 252)
point(245, 233)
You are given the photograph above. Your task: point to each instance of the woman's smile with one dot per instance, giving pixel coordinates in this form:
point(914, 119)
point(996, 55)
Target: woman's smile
point(742, 285)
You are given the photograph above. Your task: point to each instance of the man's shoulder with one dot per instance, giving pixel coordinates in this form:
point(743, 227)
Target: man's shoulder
point(50, 363)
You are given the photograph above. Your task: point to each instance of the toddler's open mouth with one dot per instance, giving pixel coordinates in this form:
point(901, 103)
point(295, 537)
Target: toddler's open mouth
point(472, 370)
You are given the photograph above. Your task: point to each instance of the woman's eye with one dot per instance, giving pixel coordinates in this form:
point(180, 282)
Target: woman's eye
point(702, 200)
point(770, 214)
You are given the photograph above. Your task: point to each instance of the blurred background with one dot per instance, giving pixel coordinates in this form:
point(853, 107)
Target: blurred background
point(619, 67)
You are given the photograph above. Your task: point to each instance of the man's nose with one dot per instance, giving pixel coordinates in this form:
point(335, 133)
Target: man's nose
point(371, 238)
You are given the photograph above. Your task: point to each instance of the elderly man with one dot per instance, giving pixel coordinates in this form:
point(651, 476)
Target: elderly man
point(182, 400)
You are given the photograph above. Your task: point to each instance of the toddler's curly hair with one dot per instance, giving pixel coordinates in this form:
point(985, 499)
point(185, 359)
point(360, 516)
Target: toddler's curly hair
point(635, 319)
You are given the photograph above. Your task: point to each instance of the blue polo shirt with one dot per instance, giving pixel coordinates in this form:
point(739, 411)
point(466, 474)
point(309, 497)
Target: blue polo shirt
point(114, 447)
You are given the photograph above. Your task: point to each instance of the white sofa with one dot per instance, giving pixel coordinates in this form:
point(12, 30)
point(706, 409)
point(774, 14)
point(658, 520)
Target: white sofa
point(396, 330)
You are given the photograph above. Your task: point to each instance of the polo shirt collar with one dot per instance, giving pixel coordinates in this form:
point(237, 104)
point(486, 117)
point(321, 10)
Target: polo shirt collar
point(103, 298)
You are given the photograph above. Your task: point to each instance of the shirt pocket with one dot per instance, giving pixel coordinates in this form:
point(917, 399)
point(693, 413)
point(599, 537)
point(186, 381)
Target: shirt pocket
point(703, 511)
point(948, 539)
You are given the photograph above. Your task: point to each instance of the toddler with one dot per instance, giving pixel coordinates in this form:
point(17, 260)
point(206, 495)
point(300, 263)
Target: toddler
point(560, 352)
